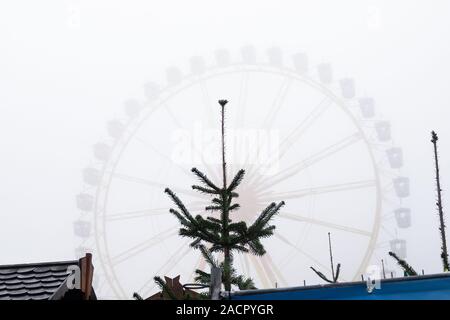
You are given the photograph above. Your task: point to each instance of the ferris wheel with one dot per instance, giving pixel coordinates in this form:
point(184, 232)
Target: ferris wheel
point(302, 137)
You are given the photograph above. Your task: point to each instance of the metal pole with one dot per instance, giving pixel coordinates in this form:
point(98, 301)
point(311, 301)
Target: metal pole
point(216, 283)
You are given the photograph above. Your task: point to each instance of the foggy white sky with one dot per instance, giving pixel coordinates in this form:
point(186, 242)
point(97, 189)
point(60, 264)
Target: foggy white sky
point(60, 81)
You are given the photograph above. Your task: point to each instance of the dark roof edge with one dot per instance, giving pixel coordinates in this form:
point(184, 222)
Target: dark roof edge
point(336, 285)
point(61, 291)
point(38, 264)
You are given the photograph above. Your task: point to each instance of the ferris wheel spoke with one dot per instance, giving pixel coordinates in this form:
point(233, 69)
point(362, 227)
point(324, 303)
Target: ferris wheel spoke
point(206, 100)
point(246, 264)
point(295, 217)
point(277, 103)
point(168, 266)
point(172, 115)
point(272, 269)
point(302, 252)
point(271, 115)
point(135, 214)
point(294, 136)
point(309, 120)
point(163, 156)
point(152, 183)
point(319, 190)
point(197, 205)
point(126, 215)
point(200, 265)
point(302, 165)
point(144, 245)
point(273, 112)
point(262, 276)
point(390, 233)
point(268, 271)
point(241, 258)
point(383, 244)
point(208, 168)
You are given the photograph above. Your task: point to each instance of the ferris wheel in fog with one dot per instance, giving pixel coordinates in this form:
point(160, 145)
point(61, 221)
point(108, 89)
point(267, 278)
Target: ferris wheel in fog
point(336, 167)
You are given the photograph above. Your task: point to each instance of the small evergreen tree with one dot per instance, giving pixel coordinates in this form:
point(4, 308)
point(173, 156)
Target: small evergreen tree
point(334, 276)
point(444, 254)
point(222, 234)
point(407, 269)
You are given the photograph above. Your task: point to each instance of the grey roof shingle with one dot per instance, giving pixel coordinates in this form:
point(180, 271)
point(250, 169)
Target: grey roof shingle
point(37, 281)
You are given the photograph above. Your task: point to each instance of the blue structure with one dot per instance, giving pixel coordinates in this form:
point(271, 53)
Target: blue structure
point(430, 287)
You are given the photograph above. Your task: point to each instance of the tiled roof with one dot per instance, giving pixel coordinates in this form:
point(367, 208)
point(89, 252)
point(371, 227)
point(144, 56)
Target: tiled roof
point(37, 281)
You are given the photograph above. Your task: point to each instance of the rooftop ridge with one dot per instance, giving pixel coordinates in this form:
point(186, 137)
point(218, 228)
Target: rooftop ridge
point(38, 264)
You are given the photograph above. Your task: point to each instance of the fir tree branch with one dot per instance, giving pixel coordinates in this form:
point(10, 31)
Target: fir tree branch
point(338, 270)
point(180, 218)
point(236, 180)
point(256, 247)
point(239, 227)
point(195, 233)
point(203, 178)
point(243, 283)
point(213, 208)
point(207, 255)
point(207, 226)
point(188, 232)
point(217, 201)
point(165, 288)
point(240, 248)
point(195, 230)
point(195, 243)
point(202, 277)
point(409, 271)
point(180, 205)
point(212, 219)
point(263, 219)
point(267, 232)
point(321, 275)
point(136, 296)
point(204, 190)
point(217, 247)
point(273, 212)
point(263, 214)
point(240, 281)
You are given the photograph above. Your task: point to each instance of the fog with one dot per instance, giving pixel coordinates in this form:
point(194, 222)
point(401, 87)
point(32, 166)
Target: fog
point(67, 68)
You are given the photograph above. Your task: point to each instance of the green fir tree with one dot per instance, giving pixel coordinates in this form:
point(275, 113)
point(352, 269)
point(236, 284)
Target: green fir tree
point(444, 253)
point(334, 275)
point(222, 234)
